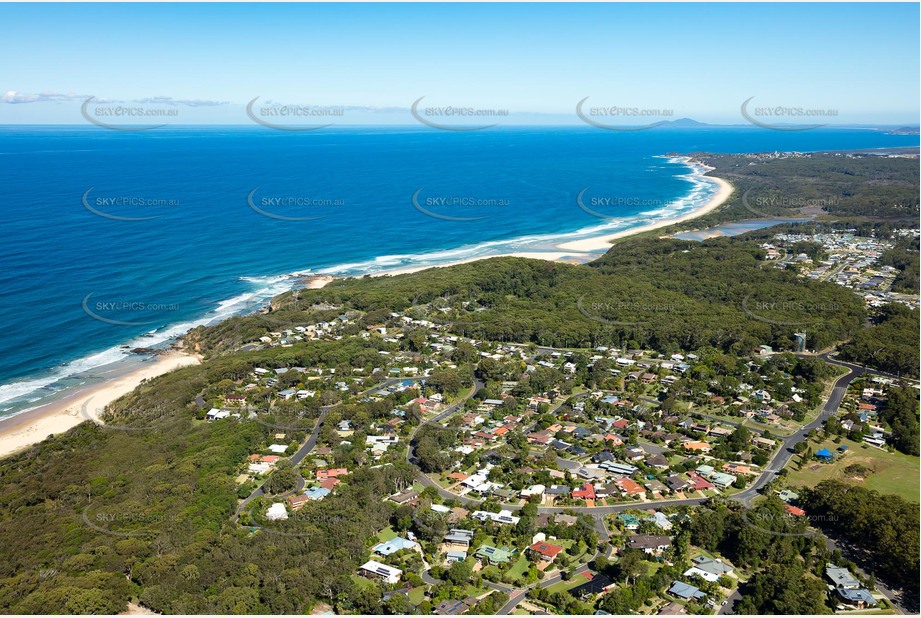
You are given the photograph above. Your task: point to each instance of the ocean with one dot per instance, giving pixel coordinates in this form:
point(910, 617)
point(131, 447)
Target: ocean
point(115, 240)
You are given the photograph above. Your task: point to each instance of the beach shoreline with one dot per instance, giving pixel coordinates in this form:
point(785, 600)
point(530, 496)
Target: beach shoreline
point(27, 428)
point(588, 249)
point(596, 243)
point(21, 431)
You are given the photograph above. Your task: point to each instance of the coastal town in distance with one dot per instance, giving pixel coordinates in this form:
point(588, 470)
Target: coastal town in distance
point(400, 359)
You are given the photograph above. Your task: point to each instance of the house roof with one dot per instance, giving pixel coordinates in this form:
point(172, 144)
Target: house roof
point(494, 554)
point(317, 492)
point(841, 577)
point(595, 585)
point(857, 595)
point(394, 545)
point(716, 567)
point(685, 591)
point(546, 550)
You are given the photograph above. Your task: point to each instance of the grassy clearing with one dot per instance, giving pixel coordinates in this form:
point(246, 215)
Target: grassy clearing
point(386, 534)
point(563, 586)
point(893, 473)
point(417, 595)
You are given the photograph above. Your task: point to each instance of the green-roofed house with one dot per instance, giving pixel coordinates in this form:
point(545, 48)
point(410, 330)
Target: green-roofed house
point(494, 555)
point(629, 521)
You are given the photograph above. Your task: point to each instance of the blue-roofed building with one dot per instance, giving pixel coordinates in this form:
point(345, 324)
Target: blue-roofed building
point(316, 493)
point(825, 455)
point(394, 545)
point(685, 591)
point(859, 598)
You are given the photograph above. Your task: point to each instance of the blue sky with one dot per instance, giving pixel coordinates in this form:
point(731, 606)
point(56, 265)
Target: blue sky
point(694, 60)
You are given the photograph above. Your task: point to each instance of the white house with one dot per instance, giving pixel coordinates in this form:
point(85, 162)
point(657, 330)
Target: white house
point(277, 511)
point(373, 568)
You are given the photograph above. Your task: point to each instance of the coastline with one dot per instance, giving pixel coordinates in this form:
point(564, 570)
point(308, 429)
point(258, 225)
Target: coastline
point(597, 243)
point(588, 249)
point(31, 427)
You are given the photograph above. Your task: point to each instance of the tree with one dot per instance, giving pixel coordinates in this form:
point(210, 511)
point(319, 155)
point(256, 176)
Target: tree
point(783, 589)
point(283, 479)
point(460, 572)
point(630, 566)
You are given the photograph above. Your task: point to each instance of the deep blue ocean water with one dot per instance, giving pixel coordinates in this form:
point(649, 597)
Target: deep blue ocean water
point(209, 233)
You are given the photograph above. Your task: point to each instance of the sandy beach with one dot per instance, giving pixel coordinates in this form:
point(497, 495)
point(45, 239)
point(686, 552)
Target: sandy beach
point(553, 256)
point(603, 242)
point(587, 249)
point(28, 428)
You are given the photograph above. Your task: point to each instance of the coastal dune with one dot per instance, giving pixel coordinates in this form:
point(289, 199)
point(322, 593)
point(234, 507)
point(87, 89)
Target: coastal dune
point(23, 430)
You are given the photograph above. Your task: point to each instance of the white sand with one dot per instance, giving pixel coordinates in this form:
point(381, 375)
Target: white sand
point(603, 242)
point(28, 428)
point(553, 256)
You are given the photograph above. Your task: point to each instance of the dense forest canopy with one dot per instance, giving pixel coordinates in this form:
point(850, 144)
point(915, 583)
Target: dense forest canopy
point(668, 295)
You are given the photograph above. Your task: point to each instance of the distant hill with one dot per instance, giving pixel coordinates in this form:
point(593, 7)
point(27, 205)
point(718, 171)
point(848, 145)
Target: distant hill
point(685, 123)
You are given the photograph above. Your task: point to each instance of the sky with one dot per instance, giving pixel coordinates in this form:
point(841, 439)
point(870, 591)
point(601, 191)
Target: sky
point(537, 61)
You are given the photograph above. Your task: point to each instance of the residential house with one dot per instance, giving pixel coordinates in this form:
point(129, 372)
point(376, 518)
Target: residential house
point(708, 568)
point(330, 473)
point(453, 607)
point(502, 517)
point(629, 521)
point(685, 592)
point(458, 539)
point(630, 487)
point(651, 544)
point(296, 502)
point(317, 493)
point(394, 545)
point(493, 555)
point(406, 497)
point(374, 569)
point(277, 512)
point(673, 608)
point(841, 578)
point(545, 552)
point(597, 584)
point(677, 483)
point(586, 492)
point(697, 447)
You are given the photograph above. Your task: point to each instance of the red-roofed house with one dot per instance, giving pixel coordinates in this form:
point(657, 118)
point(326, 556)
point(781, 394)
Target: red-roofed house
point(329, 483)
point(630, 487)
point(586, 492)
point(269, 459)
point(621, 424)
point(699, 482)
point(794, 510)
point(331, 473)
point(613, 439)
point(701, 447)
point(545, 551)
